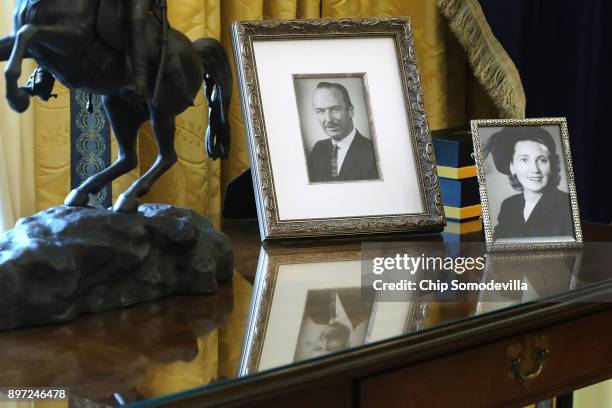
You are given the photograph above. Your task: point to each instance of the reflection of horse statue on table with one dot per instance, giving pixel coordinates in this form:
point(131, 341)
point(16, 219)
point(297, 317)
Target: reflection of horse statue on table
point(82, 44)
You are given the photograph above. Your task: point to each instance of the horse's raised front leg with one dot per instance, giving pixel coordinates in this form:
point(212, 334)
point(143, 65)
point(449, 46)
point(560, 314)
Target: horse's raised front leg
point(125, 123)
point(6, 47)
point(163, 128)
point(58, 37)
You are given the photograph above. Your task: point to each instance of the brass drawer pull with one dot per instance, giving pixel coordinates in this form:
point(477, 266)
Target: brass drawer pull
point(529, 354)
point(539, 355)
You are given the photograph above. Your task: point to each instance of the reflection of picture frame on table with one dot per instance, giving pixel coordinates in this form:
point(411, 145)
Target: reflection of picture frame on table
point(292, 294)
point(526, 180)
point(546, 274)
point(337, 129)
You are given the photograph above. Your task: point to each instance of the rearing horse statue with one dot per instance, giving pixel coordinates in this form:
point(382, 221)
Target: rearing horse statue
point(82, 44)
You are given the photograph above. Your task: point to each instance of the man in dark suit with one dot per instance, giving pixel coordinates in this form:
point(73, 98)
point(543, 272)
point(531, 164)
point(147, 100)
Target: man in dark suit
point(346, 155)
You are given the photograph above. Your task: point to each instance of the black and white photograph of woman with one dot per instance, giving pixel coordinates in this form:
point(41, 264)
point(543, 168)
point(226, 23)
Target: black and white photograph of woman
point(532, 203)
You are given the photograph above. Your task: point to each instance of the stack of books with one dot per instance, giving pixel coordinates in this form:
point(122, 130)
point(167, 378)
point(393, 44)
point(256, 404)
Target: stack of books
point(458, 181)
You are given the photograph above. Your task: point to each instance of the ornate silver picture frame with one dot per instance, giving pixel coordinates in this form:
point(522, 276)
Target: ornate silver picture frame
point(526, 183)
point(337, 129)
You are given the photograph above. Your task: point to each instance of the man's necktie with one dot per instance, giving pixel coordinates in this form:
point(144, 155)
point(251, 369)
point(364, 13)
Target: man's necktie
point(334, 162)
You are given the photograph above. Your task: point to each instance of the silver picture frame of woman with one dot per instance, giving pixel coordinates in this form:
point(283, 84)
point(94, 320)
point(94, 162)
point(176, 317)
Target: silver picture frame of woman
point(336, 125)
point(526, 182)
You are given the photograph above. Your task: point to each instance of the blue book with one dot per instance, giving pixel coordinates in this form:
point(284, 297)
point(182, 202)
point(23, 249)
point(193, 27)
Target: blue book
point(459, 193)
point(453, 147)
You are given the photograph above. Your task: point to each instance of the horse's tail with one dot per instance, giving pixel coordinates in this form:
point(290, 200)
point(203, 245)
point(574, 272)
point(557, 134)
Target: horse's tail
point(218, 89)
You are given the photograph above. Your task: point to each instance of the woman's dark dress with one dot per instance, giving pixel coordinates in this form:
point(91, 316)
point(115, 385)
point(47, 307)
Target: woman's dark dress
point(551, 216)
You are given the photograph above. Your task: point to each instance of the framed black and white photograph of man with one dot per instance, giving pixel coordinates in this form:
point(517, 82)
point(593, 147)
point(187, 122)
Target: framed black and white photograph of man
point(336, 125)
point(335, 120)
point(527, 188)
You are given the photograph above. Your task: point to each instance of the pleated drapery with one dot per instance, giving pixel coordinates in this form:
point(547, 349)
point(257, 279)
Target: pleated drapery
point(16, 147)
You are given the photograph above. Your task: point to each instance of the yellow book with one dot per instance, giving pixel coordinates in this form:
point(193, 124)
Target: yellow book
point(462, 213)
point(454, 227)
point(457, 173)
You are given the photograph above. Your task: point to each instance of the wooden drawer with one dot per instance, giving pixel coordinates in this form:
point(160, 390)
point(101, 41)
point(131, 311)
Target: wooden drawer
point(579, 353)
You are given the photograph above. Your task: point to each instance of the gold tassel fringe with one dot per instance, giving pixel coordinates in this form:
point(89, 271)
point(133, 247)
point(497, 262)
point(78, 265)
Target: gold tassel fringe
point(491, 64)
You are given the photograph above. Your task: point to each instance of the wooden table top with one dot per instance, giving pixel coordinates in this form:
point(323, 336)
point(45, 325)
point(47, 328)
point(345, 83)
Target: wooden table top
point(185, 342)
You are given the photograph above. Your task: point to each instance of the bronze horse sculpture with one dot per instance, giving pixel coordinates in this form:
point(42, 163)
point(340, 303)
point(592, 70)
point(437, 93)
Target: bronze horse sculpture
point(82, 44)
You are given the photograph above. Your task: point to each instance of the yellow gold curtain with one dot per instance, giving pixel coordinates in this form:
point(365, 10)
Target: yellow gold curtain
point(16, 148)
